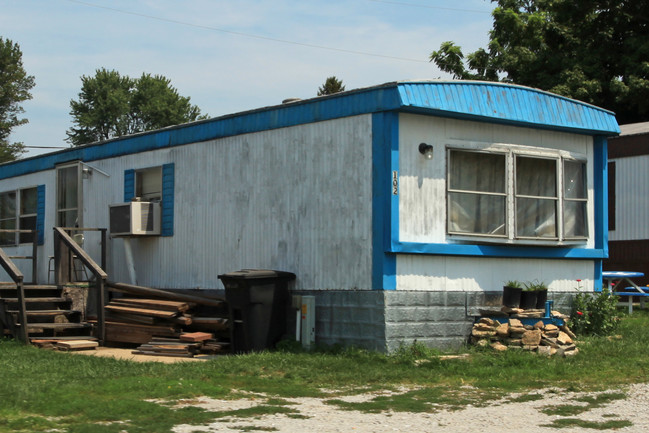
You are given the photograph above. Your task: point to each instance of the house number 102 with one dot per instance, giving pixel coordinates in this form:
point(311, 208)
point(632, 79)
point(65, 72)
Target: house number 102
point(395, 183)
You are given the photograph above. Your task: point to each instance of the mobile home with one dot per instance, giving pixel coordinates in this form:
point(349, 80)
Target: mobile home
point(400, 207)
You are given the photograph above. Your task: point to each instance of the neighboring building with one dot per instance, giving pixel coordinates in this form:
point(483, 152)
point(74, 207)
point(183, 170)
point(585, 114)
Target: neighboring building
point(401, 207)
point(628, 181)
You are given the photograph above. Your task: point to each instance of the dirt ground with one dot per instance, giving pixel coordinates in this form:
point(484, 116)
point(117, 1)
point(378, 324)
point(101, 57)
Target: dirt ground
point(316, 415)
point(120, 353)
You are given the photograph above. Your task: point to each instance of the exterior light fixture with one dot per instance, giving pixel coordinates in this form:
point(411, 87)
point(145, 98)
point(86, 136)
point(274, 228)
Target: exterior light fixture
point(426, 150)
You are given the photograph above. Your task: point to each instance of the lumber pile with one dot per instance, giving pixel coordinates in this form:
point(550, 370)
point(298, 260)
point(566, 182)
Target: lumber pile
point(187, 345)
point(141, 320)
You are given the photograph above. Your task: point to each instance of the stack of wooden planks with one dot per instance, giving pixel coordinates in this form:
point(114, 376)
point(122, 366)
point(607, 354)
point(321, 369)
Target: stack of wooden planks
point(138, 320)
point(187, 345)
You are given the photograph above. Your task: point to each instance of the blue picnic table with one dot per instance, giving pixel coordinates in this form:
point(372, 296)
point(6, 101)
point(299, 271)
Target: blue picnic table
point(623, 283)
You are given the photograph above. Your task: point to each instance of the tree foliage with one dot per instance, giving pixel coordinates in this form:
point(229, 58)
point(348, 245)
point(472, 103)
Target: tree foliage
point(15, 86)
point(596, 51)
point(111, 105)
point(331, 85)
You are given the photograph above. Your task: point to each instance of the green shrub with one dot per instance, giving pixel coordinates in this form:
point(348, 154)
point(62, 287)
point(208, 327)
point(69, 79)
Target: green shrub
point(594, 313)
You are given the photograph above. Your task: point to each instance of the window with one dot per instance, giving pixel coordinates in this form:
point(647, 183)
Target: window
point(7, 217)
point(148, 184)
point(68, 196)
point(536, 197)
point(19, 210)
point(514, 194)
point(28, 213)
point(477, 193)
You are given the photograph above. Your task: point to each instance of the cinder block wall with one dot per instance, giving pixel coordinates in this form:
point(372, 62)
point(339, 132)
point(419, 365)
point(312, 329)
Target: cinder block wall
point(384, 320)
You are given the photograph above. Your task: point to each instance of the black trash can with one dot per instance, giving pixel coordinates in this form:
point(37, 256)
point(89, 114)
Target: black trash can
point(257, 302)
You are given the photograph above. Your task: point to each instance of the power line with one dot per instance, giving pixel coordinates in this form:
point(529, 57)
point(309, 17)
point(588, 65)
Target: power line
point(431, 7)
point(248, 35)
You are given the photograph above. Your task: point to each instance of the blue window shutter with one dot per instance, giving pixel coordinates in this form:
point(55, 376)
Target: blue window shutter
point(40, 214)
point(129, 185)
point(168, 181)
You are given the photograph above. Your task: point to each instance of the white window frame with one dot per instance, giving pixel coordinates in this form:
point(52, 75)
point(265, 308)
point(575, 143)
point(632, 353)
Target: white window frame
point(511, 152)
point(79, 203)
point(18, 217)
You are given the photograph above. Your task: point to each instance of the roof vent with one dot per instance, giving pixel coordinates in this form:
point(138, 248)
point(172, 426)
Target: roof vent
point(290, 100)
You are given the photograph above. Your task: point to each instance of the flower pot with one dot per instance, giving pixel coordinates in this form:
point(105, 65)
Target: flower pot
point(512, 296)
point(528, 300)
point(541, 297)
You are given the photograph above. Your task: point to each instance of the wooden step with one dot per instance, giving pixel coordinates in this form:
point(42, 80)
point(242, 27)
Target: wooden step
point(32, 299)
point(57, 326)
point(12, 286)
point(47, 313)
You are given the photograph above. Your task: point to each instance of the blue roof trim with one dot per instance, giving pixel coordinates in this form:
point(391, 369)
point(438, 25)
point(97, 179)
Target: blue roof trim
point(491, 102)
point(506, 103)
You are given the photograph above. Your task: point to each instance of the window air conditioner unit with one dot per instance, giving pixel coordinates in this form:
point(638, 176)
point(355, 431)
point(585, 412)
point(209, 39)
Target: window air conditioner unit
point(136, 218)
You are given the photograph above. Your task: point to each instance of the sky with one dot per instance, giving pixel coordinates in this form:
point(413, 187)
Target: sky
point(228, 56)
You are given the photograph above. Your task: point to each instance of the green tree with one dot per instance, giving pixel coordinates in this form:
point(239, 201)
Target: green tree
point(111, 105)
point(331, 85)
point(15, 85)
point(596, 51)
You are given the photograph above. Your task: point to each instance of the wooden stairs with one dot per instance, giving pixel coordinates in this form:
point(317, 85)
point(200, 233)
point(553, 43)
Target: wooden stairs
point(49, 313)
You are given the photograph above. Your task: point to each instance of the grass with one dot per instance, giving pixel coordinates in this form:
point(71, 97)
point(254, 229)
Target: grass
point(43, 390)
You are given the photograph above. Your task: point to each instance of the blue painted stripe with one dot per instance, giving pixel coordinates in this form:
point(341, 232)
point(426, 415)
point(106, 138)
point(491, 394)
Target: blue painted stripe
point(491, 102)
point(384, 138)
point(129, 185)
point(600, 165)
point(598, 275)
point(40, 214)
point(496, 251)
point(168, 185)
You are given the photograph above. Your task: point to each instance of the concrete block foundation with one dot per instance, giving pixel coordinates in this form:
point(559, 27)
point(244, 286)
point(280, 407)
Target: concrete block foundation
point(385, 320)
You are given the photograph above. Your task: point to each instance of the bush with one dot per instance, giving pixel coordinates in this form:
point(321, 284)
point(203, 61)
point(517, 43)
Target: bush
point(594, 313)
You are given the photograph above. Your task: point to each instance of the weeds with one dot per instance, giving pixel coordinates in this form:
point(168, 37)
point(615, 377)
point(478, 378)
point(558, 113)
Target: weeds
point(595, 313)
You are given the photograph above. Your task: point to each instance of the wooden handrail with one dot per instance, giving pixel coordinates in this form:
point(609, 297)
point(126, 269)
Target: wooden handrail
point(63, 240)
point(18, 278)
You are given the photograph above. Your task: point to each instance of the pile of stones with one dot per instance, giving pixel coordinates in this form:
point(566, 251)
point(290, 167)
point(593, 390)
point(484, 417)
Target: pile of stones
point(545, 339)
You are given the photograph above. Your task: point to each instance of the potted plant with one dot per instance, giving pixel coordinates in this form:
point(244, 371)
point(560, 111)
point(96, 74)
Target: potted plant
point(528, 296)
point(541, 295)
point(512, 293)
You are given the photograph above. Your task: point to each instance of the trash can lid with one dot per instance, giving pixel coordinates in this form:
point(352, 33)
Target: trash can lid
point(245, 274)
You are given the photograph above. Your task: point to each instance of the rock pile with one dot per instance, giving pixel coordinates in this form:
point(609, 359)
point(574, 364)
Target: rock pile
point(545, 339)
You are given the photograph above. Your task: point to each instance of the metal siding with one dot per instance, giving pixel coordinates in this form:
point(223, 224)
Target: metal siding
point(632, 199)
point(466, 274)
point(422, 193)
point(295, 199)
